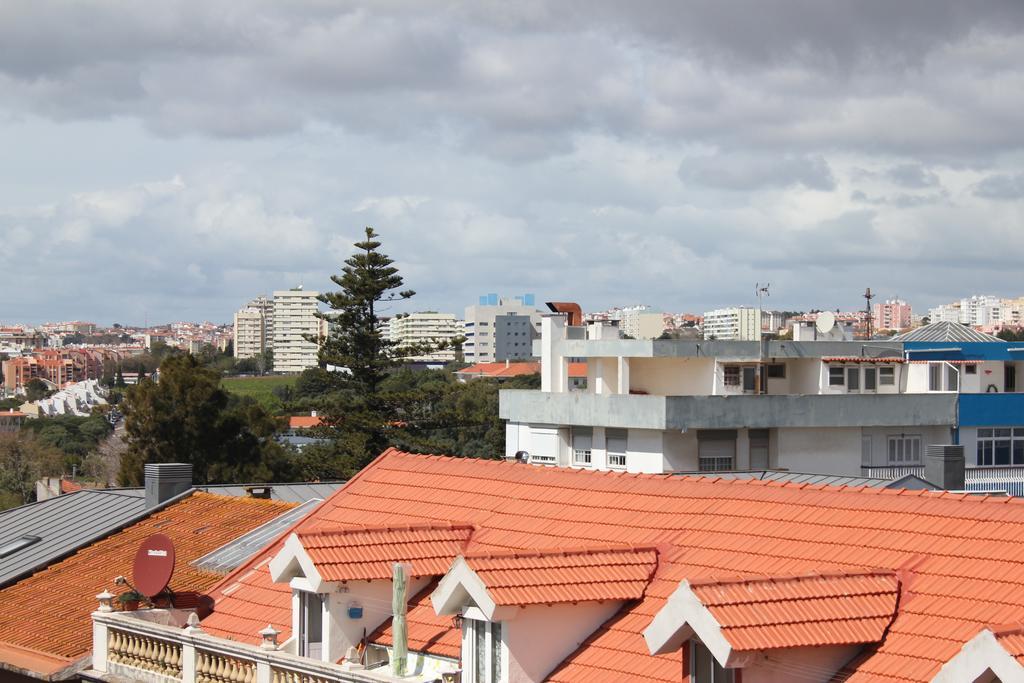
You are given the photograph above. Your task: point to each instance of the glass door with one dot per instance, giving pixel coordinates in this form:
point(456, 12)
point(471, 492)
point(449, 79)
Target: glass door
point(311, 625)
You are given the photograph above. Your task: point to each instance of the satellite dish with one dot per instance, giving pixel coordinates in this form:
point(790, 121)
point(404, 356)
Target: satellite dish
point(154, 565)
point(825, 322)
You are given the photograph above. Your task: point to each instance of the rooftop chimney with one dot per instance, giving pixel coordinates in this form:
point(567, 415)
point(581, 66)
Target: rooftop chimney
point(944, 467)
point(165, 480)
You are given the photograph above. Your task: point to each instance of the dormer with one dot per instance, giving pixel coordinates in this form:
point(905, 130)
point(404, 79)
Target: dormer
point(523, 613)
point(761, 625)
point(341, 579)
point(996, 653)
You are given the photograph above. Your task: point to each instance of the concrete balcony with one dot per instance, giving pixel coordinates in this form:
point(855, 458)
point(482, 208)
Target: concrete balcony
point(727, 412)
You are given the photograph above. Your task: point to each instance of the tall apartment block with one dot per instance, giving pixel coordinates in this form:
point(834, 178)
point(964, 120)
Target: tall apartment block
point(428, 328)
point(250, 333)
point(295, 320)
point(499, 329)
point(742, 324)
point(894, 314)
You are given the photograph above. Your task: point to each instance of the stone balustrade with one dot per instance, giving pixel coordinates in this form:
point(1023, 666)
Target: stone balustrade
point(144, 652)
point(212, 668)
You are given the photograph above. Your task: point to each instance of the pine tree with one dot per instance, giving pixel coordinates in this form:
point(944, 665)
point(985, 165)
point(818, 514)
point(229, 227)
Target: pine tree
point(364, 416)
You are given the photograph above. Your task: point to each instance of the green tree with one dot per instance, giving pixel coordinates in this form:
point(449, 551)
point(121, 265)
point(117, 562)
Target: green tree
point(187, 417)
point(36, 389)
point(24, 459)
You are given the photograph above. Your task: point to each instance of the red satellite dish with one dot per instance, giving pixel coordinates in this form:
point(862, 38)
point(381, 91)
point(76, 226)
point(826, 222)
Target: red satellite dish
point(154, 565)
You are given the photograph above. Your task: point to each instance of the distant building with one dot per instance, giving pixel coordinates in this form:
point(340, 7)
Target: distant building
point(482, 333)
point(294, 320)
point(250, 333)
point(894, 314)
point(732, 323)
point(773, 321)
point(426, 328)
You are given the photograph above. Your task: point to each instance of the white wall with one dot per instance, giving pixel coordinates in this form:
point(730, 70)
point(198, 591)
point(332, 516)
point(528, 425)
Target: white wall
point(821, 451)
point(672, 376)
point(879, 438)
point(541, 637)
point(799, 664)
point(375, 598)
point(644, 449)
point(680, 451)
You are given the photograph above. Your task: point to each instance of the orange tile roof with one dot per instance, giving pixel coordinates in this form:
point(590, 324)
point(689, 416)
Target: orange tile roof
point(427, 631)
point(501, 369)
point(547, 577)
point(67, 486)
point(304, 421)
point(368, 553)
point(1012, 639)
point(799, 611)
point(964, 553)
point(48, 613)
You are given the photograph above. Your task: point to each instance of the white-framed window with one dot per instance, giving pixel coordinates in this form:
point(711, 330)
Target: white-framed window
point(704, 668)
point(716, 450)
point(836, 376)
point(887, 376)
point(311, 625)
point(1000, 446)
point(904, 449)
point(870, 379)
point(970, 369)
point(935, 377)
point(731, 375)
point(582, 443)
point(485, 657)
point(853, 379)
point(615, 444)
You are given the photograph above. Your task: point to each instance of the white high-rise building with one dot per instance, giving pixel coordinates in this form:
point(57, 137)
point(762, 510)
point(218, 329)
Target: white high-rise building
point(295, 320)
point(250, 333)
point(733, 323)
point(427, 327)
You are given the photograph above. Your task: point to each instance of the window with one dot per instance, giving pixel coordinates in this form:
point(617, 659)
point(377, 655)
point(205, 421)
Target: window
point(732, 375)
point(904, 449)
point(1001, 446)
point(704, 668)
point(952, 378)
point(311, 612)
point(485, 654)
point(749, 379)
point(758, 448)
point(970, 369)
point(716, 449)
point(935, 377)
point(870, 379)
point(836, 376)
point(615, 441)
point(777, 371)
point(853, 379)
point(887, 376)
point(19, 544)
point(582, 442)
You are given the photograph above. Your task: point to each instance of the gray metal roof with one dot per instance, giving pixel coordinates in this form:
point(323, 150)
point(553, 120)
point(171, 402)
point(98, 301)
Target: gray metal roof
point(945, 332)
point(288, 493)
point(63, 524)
point(908, 482)
point(232, 554)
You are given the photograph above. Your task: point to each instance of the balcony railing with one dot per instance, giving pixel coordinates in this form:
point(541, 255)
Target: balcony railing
point(128, 647)
point(1008, 478)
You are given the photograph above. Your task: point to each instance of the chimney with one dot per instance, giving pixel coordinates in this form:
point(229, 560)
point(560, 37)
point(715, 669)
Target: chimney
point(944, 467)
point(166, 480)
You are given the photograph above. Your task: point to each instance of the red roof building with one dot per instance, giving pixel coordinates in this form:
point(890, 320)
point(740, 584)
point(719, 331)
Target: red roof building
point(552, 574)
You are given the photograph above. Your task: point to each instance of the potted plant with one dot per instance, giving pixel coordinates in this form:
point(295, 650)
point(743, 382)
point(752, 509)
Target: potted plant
point(129, 600)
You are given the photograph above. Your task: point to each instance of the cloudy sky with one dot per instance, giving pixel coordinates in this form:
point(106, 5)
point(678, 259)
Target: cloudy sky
point(171, 160)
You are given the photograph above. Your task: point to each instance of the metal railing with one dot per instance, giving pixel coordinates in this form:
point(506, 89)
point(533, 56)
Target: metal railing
point(1008, 478)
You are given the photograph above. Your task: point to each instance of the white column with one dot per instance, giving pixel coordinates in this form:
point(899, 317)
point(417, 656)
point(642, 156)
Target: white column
point(599, 450)
point(188, 662)
point(623, 375)
point(264, 674)
point(99, 645)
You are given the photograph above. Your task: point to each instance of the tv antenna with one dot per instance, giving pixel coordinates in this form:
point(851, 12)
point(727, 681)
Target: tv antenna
point(868, 296)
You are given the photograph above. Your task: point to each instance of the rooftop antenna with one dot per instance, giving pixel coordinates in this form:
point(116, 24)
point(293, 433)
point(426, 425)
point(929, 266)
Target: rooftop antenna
point(868, 296)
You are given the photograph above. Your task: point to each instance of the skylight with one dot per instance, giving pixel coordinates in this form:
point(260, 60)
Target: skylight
point(19, 544)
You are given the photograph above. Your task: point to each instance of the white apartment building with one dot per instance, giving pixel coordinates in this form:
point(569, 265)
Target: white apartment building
point(428, 328)
point(250, 333)
point(743, 323)
point(295, 320)
point(641, 322)
point(669, 405)
point(500, 329)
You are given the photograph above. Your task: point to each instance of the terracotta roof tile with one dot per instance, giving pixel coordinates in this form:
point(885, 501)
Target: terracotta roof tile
point(557, 576)
point(368, 553)
point(800, 611)
point(957, 556)
point(304, 421)
point(49, 612)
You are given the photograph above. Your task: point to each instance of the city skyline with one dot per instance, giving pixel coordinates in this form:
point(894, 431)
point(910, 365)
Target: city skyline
point(672, 155)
